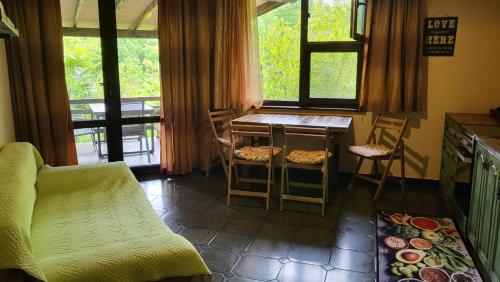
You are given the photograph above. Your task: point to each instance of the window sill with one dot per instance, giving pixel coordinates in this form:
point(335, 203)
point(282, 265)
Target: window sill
point(310, 109)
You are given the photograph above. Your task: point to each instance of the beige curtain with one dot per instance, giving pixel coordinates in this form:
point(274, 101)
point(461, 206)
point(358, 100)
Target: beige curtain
point(185, 28)
point(208, 56)
point(237, 78)
point(392, 71)
point(38, 87)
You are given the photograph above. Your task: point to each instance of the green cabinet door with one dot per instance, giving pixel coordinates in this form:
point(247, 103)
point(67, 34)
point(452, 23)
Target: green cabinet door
point(493, 180)
point(475, 209)
point(489, 196)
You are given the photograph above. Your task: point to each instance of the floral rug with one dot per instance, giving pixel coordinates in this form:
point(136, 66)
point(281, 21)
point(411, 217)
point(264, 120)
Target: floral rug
point(421, 248)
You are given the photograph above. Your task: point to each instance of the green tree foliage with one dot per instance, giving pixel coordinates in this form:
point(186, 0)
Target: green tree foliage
point(333, 75)
point(138, 66)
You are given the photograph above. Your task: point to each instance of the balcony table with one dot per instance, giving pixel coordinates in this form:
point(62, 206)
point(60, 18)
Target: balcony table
point(132, 109)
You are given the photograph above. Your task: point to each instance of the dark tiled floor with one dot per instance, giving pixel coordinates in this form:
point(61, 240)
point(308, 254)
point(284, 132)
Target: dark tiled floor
point(246, 243)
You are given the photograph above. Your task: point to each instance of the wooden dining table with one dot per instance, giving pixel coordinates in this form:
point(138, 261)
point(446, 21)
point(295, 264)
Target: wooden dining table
point(335, 125)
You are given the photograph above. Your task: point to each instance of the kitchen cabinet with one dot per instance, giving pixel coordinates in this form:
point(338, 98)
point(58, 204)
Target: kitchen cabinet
point(484, 216)
point(476, 197)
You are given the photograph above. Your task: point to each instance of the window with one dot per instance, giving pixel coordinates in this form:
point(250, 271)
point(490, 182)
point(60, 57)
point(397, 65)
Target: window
point(311, 53)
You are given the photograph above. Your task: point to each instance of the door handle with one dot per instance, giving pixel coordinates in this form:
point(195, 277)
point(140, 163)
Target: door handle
point(486, 165)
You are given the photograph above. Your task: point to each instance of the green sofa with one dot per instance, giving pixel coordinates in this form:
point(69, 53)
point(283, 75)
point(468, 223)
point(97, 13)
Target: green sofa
point(84, 223)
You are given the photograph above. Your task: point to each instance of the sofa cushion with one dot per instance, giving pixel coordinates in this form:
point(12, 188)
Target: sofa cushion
point(94, 223)
point(19, 163)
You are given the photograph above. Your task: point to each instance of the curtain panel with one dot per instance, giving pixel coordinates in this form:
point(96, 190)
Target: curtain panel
point(393, 63)
point(208, 59)
point(40, 101)
point(237, 78)
point(184, 32)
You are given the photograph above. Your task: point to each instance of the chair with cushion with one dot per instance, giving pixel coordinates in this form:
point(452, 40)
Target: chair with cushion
point(305, 160)
point(377, 150)
point(219, 127)
point(251, 156)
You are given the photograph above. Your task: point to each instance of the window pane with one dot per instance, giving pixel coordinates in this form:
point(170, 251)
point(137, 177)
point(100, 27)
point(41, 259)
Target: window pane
point(138, 58)
point(329, 20)
point(279, 40)
point(360, 18)
point(141, 144)
point(333, 75)
point(83, 60)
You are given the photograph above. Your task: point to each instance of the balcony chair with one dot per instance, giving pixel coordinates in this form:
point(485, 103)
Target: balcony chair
point(136, 131)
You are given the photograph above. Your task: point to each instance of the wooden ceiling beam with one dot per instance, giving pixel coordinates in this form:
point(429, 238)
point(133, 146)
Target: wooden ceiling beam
point(122, 33)
point(78, 10)
point(270, 5)
point(147, 12)
point(118, 4)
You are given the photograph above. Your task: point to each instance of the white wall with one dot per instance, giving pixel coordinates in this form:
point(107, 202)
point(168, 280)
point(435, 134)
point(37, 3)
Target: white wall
point(467, 82)
point(6, 121)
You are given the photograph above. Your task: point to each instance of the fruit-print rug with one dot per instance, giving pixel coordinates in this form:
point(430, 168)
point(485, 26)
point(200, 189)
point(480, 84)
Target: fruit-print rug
point(415, 248)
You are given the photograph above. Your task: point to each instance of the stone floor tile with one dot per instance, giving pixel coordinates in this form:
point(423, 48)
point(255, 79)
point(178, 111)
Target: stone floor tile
point(300, 272)
point(220, 260)
point(258, 268)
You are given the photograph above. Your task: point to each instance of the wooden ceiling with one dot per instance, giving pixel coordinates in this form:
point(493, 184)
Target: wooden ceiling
point(132, 15)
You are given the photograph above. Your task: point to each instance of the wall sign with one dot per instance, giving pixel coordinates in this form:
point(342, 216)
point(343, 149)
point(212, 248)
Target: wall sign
point(440, 34)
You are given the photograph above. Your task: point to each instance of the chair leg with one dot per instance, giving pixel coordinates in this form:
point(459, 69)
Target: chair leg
point(207, 172)
point(325, 188)
point(282, 185)
point(287, 181)
point(384, 178)
point(402, 171)
point(269, 177)
point(229, 174)
point(148, 153)
point(356, 172)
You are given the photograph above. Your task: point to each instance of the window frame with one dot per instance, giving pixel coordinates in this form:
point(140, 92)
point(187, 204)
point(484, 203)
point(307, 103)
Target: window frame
point(307, 48)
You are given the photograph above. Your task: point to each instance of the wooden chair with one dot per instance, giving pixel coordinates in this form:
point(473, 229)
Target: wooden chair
point(251, 156)
point(219, 124)
point(376, 151)
point(307, 160)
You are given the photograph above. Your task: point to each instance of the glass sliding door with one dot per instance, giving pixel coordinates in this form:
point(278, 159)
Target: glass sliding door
point(138, 60)
point(112, 73)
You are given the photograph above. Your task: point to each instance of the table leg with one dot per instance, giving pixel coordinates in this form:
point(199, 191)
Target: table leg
point(99, 150)
point(152, 138)
point(334, 167)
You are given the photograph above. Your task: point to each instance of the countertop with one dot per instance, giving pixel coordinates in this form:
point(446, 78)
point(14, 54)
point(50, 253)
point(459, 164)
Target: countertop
point(470, 118)
point(492, 144)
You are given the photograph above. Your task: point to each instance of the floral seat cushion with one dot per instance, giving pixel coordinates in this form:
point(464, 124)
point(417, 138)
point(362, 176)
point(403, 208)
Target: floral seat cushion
point(307, 157)
point(371, 150)
point(258, 154)
point(226, 141)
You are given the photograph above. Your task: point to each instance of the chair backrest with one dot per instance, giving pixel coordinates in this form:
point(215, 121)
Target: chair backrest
point(308, 133)
point(252, 131)
point(219, 121)
point(388, 123)
point(133, 109)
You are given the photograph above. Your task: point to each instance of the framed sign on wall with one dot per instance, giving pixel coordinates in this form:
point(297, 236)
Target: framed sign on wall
point(440, 34)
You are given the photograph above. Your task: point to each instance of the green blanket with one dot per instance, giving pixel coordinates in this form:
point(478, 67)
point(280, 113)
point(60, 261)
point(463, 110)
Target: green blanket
point(94, 223)
point(19, 163)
